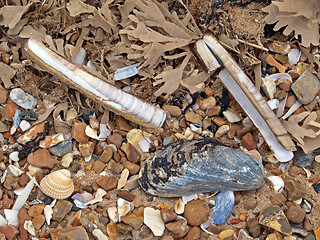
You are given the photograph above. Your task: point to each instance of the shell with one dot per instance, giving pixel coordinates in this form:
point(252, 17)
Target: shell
point(58, 184)
point(222, 209)
point(198, 166)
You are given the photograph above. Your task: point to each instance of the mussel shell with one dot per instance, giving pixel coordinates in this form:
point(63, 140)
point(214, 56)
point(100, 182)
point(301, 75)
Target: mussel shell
point(197, 166)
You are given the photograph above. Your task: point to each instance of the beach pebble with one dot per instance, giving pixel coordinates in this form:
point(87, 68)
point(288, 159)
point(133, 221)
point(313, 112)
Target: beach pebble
point(78, 131)
point(280, 47)
point(115, 139)
point(134, 219)
point(108, 183)
point(243, 235)
point(231, 116)
point(10, 111)
point(152, 218)
point(73, 233)
point(167, 141)
point(167, 215)
point(106, 154)
point(61, 149)
point(208, 102)
point(86, 149)
point(61, 209)
point(41, 158)
point(174, 111)
point(133, 168)
point(248, 141)
point(193, 234)
point(10, 231)
point(273, 217)
point(226, 234)
point(193, 117)
point(278, 199)
point(222, 130)
point(295, 189)
point(254, 227)
point(38, 221)
point(275, 236)
point(67, 160)
point(99, 234)
point(14, 156)
point(132, 153)
point(178, 228)
point(23, 99)
point(196, 212)
point(24, 125)
point(295, 214)
point(306, 87)
point(3, 95)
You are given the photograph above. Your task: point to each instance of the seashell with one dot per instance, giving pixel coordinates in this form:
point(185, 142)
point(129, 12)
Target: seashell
point(276, 182)
point(179, 206)
point(152, 218)
point(58, 184)
point(224, 202)
point(3, 221)
point(294, 56)
point(113, 214)
point(126, 72)
point(29, 227)
point(197, 166)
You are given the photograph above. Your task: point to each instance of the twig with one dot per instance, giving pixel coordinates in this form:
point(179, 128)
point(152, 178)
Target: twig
point(230, 48)
point(253, 45)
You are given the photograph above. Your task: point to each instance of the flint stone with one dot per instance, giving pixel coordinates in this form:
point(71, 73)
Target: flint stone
point(61, 209)
point(61, 149)
point(73, 233)
point(306, 87)
point(23, 99)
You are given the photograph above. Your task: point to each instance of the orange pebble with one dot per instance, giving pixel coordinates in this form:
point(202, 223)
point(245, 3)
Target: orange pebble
point(235, 221)
point(272, 62)
point(88, 167)
point(243, 216)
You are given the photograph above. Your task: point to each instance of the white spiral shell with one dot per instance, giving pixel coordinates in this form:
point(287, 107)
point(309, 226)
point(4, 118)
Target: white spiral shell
point(58, 184)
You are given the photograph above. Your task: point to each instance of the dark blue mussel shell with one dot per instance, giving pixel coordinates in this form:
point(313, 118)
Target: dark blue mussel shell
point(197, 166)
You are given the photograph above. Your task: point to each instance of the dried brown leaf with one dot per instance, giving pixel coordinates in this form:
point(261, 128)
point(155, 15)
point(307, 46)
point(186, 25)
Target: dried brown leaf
point(7, 73)
point(298, 16)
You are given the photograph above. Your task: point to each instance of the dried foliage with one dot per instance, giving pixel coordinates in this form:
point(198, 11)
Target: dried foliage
point(307, 133)
point(302, 17)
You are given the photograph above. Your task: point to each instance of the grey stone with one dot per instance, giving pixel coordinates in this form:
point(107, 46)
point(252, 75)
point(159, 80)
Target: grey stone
point(167, 141)
point(61, 149)
point(306, 87)
point(23, 99)
point(61, 209)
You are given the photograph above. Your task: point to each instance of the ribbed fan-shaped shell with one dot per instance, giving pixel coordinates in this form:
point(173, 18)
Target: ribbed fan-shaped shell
point(58, 184)
point(197, 166)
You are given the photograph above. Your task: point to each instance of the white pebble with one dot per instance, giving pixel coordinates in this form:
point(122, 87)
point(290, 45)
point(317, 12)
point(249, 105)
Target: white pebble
point(67, 160)
point(113, 214)
point(24, 125)
point(231, 116)
point(14, 156)
point(99, 234)
point(179, 206)
point(276, 182)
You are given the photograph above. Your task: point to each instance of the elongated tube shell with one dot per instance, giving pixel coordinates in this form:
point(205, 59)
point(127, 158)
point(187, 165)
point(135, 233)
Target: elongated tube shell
point(117, 100)
point(58, 184)
point(250, 90)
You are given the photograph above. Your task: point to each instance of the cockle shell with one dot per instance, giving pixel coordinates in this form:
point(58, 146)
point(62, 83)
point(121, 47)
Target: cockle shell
point(198, 166)
point(58, 184)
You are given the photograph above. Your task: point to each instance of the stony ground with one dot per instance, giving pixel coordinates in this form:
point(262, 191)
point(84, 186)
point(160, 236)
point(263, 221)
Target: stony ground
point(46, 126)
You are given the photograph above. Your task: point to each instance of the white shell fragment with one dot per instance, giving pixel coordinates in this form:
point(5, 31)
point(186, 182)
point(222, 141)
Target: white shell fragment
point(269, 87)
point(58, 184)
point(3, 221)
point(144, 144)
point(99, 234)
point(179, 206)
point(123, 178)
point(276, 182)
point(3, 176)
point(91, 133)
point(189, 198)
point(292, 109)
point(24, 125)
point(231, 116)
point(23, 196)
point(294, 56)
point(273, 103)
point(274, 77)
point(104, 132)
point(124, 207)
point(12, 217)
point(29, 227)
point(126, 72)
point(67, 160)
point(113, 214)
point(48, 211)
point(153, 220)
point(14, 156)
point(15, 170)
point(98, 197)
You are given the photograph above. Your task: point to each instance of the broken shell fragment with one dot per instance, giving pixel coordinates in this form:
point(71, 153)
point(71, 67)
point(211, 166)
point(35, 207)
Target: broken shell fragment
point(58, 184)
point(198, 166)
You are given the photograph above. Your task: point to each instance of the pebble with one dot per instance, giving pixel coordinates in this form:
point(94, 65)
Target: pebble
point(41, 158)
point(126, 195)
point(281, 94)
point(254, 227)
point(133, 168)
point(6, 202)
point(208, 102)
point(306, 87)
point(274, 236)
point(108, 183)
point(38, 221)
point(316, 187)
point(112, 230)
point(280, 47)
point(36, 210)
point(295, 189)
point(196, 212)
point(98, 166)
point(193, 117)
point(178, 228)
point(14, 156)
point(73, 233)
point(248, 142)
point(115, 167)
point(10, 111)
point(174, 111)
point(23, 99)
point(278, 199)
point(61, 149)
point(86, 149)
point(295, 214)
point(226, 234)
point(272, 62)
point(78, 131)
point(167, 141)
point(273, 217)
point(10, 232)
point(99, 235)
point(231, 116)
point(152, 219)
point(123, 179)
point(61, 209)
point(167, 215)
point(106, 154)
point(132, 153)
point(295, 171)
point(24, 125)
point(115, 139)
point(222, 130)
point(291, 100)
point(193, 234)
point(134, 219)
